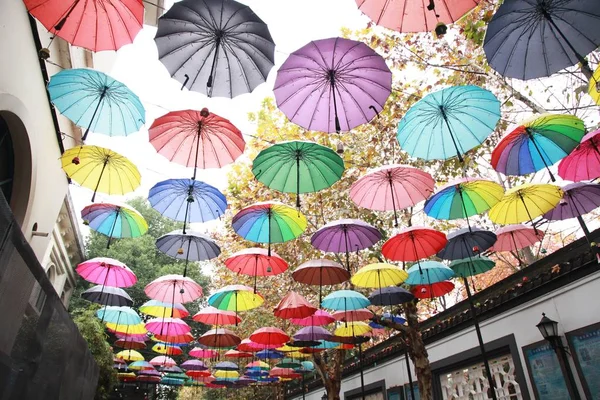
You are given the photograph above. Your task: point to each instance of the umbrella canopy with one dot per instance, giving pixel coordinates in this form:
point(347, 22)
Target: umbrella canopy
point(362, 314)
point(96, 102)
point(537, 143)
point(219, 338)
point(167, 326)
point(269, 336)
point(320, 272)
point(356, 328)
point(183, 339)
point(391, 188)
point(163, 361)
point(258, 365)
point(213, 316)
point(345, 300)
point(226, 366)
point(106, 295)
point(390, 296)
point(226, 374)
point(235, 298)
point(193, 365)
point(256, 262)
point(129, 355)
point(114, 221)
point(199, 352)
point(218, 48)
point(414, 243)
point(119, 315)
point(311, 333)
point(415, 16)
point(126, 376)
point(516, 237)
point(536, 38)
point(237, 354)
point(463, 198)
point(429, 291)
point(294, 305)
point(157, 308)
point(284, 373)
point(583, 163)
point(467, 242)
point(162, 348)
point(142, 365)
point(428, 272)
point(332, 85)
point(95, 25)
point(319, 318)
point(250, 346)
point(136, 331)
point(106, 272)
point(579, 198)
point(471, 266)
point(298, 167)
point(268, 355)
point(189, 246)
point(289, 363)
point(449, 122)
point(525, 202)
point(174, 289)
point(198, 139)
point(130, 344)
point(379, 275)
point(101, 170)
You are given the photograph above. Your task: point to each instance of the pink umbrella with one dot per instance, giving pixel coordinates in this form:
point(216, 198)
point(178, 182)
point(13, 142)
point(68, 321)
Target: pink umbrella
point(173, 289)
point(413, 244)
point(238, 354)
point(213, 316)
point(391, 188)
point(249, 345)
point(516, 237)
point(199, 352)
point(319, 318)
point(167, 326)
point(361, 314)
point(131, 337)
point(106, 272)
point(583, 163)
point(163, 361)
point(294, 305)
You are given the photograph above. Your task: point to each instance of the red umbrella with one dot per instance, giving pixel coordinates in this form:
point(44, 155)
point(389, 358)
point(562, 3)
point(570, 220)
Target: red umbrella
point(199, 352)
point(319, 318)
point(361, 314)
point(293, 305)
point(256, 262)
point(284, 373)
point(437, 289)
point(219, 338)
point(130, 344)
point(250, 346)
point(583, 163)
point(196, 375)
point(198, 139)
point(213, 316)
point(238, 354)
point(95, 25)
point(321, 272)
point(269, 336)
point(185, 338)
point(516, 237)
point(413, 244)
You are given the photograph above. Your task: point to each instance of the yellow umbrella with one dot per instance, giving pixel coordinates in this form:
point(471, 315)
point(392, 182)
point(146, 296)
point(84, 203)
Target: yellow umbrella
point(226, 374)
point(129, 355)
point(286, 349)
point(101, 170)
point(525, 202)
point(297, 354)
point(379, 275)
point(161, 348)
point(125, 375)
point(349, 329)
point(593, 89)
point(139, 329)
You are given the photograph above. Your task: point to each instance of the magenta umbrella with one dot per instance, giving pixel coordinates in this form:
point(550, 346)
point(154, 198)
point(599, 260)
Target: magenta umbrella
point(319, 318)
point(199, 352)
point(167, 326)
point(391, 188)
point(106, 272)
point(332, 85)
point(583, 163)
point(173, 289)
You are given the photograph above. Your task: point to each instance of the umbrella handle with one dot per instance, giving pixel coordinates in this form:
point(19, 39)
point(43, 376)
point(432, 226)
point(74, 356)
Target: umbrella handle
point(99, 179)
point(187, 78)
point(431, 7)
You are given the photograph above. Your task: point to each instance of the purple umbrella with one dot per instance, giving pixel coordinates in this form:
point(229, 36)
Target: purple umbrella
point(344, 236)
point(579, 198)
point(194, 365)
point(332, 85)
point(467, 242)
point(312, 333)
point(149, 372)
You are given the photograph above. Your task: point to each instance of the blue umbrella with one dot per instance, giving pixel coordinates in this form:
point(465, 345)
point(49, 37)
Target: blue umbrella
point(269, 355)
point(375, 325)
point(427, 273)
point(393, 318)
point(97, 102)
point(449, 122)
point(467, 242)
point(345, 300)
point(187, 200)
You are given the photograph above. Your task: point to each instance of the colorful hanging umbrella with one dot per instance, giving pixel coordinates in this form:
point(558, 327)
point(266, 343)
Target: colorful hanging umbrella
point(114, 221)
point(198, 139)
point(432, 290)
point(379, 275)
point(163, 348)
point(141, 365)
point(463, 198)
point(129, 355)
point(187, 200)
point(174, 289)
point(537, 143)
point(193, 365)
point(319, 318)
point(414, 243)
point(256, 262)
point(578, 199)
point(298, 167)
point(345, 236)
point(219, 338)
point(269, 222)
point(427, 273)
point(226, 374)
point(449, 123)
point(159, 309)
point(235, 298)
point(294, 305)
point(392, 188)
point(289, 363)
point(250, 346)
point(524, 203)
point(332, 85)
point(95, 25)
point(516, 237)
point(126, 376)
point(108, 296)
point(96, 102)
point(467, 242)
point(167, 326)
point(217, 48)
point(101, 170)
point(163, 361)
point(320, 272)
point(213, 316)
point(181, 340)
point(267, 355)
point(119, 315)
point(199, 352)
point(362, 314)
point(130, 344)
point(345, 300)
point(106, 272)
point(471, 266)
point(390, 296)
point(226, 366)
point(269, 335)
point(237, 354)
point(536, 38)
point(357, 328)
point(130, 331)
point(191, 246)
point(583, 163)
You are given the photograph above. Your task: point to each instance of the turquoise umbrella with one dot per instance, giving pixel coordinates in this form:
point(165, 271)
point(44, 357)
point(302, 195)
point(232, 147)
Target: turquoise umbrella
point(346, 300)
point(119, 315)
point(427, 273)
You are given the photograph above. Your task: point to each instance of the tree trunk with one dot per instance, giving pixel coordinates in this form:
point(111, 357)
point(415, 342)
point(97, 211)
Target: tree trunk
point(418, 353)
point(331, 374)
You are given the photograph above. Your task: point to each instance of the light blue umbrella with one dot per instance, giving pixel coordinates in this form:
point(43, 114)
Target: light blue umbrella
point(187, 200)
point(449, 122)
point(427, 273)
point(345, 300)
point(96, 102)
point(119, 315)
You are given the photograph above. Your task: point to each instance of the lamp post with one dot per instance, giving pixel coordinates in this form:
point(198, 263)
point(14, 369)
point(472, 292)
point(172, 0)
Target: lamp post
point(549, 330)
point(324, 397)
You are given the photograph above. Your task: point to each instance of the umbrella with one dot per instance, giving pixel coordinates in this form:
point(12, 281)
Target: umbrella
point(379, 275)
point(226, 366)
point(157, 308)
point(187, 200)
point(319, 318)
point(174, 289)
point(578, 198)
point(537, 143)
point(269, 222)
point(198, 139)
point(193, 365)
point(289, 363)
point(298, 167)
point(310, 336)
point(203, 353)
point(238, 354)
point(130, 344)
point(256, 262)
point(344, 236)
point(332, 85)
point(114, 221)
point(428, 272)
point(129, 355)
point(95, 25)
point(219, 338)
point(106, 295)
point(284, 372)
point(191, 246)
point(250, 346)
point(269, 355)
point(389, 296)
point(437, 289)
point(126, 376)
point(173, 339)
point(345, 300)
point(141, 365)
point(583, 164)
point(101, 170)
point(294, 305)
point(449, 122)
point(269, 336)
point(536, 38)
point(137, 331)
point(213, 316)
point(235, 298)
point(96, 102)
point(107, 272)
point(515, 237)
point(362, 314)
point(163, 348)
point(167, 326)
point(226, 374)
point(320, 272)
point(524, 203)
point(119, 315)
point(467, 242)
point(414, 243)
point(391, 188)
point(222, 47)
point(163, 361)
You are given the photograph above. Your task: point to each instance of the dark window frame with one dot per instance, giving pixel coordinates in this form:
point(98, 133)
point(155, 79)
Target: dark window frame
point(372, 388)
point(569, 335)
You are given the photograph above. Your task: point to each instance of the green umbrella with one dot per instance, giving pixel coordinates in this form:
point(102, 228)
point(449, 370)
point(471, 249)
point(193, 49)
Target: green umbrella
point(298, 167)
point(471, 266)
point(289, 363)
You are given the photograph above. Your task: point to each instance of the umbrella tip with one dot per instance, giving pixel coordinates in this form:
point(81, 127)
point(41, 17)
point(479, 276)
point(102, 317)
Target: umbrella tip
point(204, 112)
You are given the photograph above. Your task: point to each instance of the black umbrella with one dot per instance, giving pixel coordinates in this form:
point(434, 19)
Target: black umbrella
point(529, 39)
point(216, 47)
point(389, 296)
point(467, 242)
point(107, 296)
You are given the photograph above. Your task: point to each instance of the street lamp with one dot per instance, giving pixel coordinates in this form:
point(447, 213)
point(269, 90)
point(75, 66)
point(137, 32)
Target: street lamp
point(324, 397)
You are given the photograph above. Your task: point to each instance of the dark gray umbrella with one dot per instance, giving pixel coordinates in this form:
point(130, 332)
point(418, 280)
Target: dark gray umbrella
point(389, 296)
point(529, 39)
point(188, 246)
point(216, 47)
point(107, 296)
point(467, 242)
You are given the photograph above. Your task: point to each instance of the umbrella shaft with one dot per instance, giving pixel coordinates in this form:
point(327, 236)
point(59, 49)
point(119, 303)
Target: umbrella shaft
point(393, 201)
point(460, 158)
point(338, 128)
point(97, 105)
point(99, 179)
point(539, 151)
point(209, 83)
point(113, 228)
